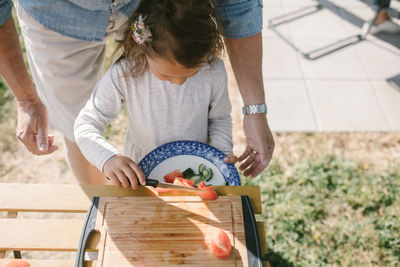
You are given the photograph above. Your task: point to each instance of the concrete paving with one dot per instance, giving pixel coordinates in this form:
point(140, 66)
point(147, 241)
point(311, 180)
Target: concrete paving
point(355, 87)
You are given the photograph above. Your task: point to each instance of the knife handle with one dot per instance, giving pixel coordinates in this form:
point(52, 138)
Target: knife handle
point(152, 182)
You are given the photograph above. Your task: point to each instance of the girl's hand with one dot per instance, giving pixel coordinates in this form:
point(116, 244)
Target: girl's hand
point(121, 170)
point(231, 159)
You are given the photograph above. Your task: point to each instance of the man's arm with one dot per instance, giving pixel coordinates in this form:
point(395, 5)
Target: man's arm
point(32, 114)
point(245, 55)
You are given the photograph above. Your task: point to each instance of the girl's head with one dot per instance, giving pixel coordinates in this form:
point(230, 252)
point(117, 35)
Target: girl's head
point(175, 38)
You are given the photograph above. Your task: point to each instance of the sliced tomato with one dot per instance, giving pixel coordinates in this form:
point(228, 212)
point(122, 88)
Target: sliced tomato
point(170, 177)
point(221, 245)
point(162, 190)
point(208, 192)
point(184, 182)
point(16, 263)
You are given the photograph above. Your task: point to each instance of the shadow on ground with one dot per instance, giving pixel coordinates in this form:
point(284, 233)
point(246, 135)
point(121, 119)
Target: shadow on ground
point(276, 260)
point(337, 45)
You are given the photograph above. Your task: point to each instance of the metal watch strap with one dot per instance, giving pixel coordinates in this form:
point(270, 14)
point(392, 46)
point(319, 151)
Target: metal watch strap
point(254, 109)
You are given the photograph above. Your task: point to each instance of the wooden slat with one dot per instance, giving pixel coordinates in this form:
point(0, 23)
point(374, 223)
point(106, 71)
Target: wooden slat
point(261, 234)
point(43, 234)
point(77, 198)
point(52, 263)
point(58, 197)
point(10, 215)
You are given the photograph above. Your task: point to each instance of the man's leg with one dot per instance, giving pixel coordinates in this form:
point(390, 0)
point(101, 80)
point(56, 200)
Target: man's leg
point(85, 172)
point(381, 23)
point(381, 6)
point(65, 71)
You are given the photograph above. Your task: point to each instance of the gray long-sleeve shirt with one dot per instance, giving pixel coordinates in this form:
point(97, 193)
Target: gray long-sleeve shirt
point(158, 112)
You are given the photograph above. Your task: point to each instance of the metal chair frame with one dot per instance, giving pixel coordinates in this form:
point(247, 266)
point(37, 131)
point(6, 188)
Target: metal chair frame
point(317, 53)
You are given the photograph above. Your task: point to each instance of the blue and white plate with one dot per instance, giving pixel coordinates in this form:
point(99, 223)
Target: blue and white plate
point(189, 154)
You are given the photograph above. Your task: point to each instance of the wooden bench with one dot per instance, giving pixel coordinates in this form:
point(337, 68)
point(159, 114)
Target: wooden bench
point(54, 234)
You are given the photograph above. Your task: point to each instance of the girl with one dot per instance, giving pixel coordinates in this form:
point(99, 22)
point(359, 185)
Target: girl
point(172, 83)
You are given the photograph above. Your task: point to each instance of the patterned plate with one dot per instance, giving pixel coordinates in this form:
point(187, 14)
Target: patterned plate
point(189, 154)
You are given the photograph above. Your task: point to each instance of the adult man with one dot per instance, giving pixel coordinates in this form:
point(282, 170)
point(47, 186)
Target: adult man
point(65, 47)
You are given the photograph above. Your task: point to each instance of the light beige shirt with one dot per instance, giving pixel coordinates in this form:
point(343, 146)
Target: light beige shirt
point(158, 111)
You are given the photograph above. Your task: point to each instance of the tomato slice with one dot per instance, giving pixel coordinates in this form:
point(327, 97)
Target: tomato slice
point(170, 177)
point(184, 182)
point(162, 190)
point(16, 263)
point(221, 245)
point(208, 194)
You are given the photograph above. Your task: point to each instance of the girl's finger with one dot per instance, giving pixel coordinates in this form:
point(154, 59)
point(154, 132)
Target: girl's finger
point(123, 179)
point(114, 179)
point(232, 159)
point(139, 173)
point(131, 176)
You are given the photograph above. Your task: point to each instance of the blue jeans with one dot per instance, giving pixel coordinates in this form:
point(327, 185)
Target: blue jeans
point(381, 4)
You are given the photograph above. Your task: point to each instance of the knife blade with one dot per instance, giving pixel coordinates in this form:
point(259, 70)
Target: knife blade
point(155, 183)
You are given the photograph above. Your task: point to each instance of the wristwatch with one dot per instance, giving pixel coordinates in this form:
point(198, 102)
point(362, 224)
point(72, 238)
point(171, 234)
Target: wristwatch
point(254, 109)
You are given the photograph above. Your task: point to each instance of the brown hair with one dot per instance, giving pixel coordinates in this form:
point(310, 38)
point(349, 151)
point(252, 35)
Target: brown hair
point(182, 30)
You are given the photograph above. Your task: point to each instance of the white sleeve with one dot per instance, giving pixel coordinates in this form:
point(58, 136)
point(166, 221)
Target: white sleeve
point(219, 115)
point(104, 105)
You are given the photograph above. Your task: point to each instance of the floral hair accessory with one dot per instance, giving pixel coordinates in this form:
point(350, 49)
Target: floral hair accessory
point(141, 32)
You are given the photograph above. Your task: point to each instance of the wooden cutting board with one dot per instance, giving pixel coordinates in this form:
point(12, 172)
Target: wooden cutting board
point(170, 231)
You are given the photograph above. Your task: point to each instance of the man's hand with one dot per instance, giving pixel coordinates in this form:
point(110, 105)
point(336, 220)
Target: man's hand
point(32, 127)
point(121, 170)
point(260, 145)
point(32, 114)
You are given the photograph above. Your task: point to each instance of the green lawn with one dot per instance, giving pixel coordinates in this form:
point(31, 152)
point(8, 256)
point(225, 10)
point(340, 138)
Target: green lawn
point(331, 212)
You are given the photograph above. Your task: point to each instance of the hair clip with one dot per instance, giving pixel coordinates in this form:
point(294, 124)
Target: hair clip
point(140, 32)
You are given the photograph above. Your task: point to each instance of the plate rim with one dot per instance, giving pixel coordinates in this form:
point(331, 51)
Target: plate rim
point(233, 179)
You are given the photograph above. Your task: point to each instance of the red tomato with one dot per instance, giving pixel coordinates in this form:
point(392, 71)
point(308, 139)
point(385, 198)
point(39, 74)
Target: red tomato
point(184, 182)
point(209, 192)
point(16, 263)
point(169, 178)
point(162, 190)
point(221, 245)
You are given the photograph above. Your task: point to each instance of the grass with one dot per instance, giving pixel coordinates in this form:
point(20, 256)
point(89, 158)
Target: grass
point(331, 212)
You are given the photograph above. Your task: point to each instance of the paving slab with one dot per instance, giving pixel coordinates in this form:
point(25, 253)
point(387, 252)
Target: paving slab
point(389, 96)
point(289, 106)
point(380, 60)
point(312, 23)
point(280, 60)
point(347, 106)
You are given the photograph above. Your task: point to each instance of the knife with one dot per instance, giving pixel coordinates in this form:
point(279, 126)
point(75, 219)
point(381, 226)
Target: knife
point(155, 183)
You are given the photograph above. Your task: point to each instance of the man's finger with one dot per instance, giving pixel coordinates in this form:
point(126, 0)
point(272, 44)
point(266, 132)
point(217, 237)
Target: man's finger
point(249, 171)
point(42, 138)
point(258, 167)
point(245, 154)
point(247, 163)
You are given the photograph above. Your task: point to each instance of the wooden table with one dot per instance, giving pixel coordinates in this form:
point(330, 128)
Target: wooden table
point(48, 234)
